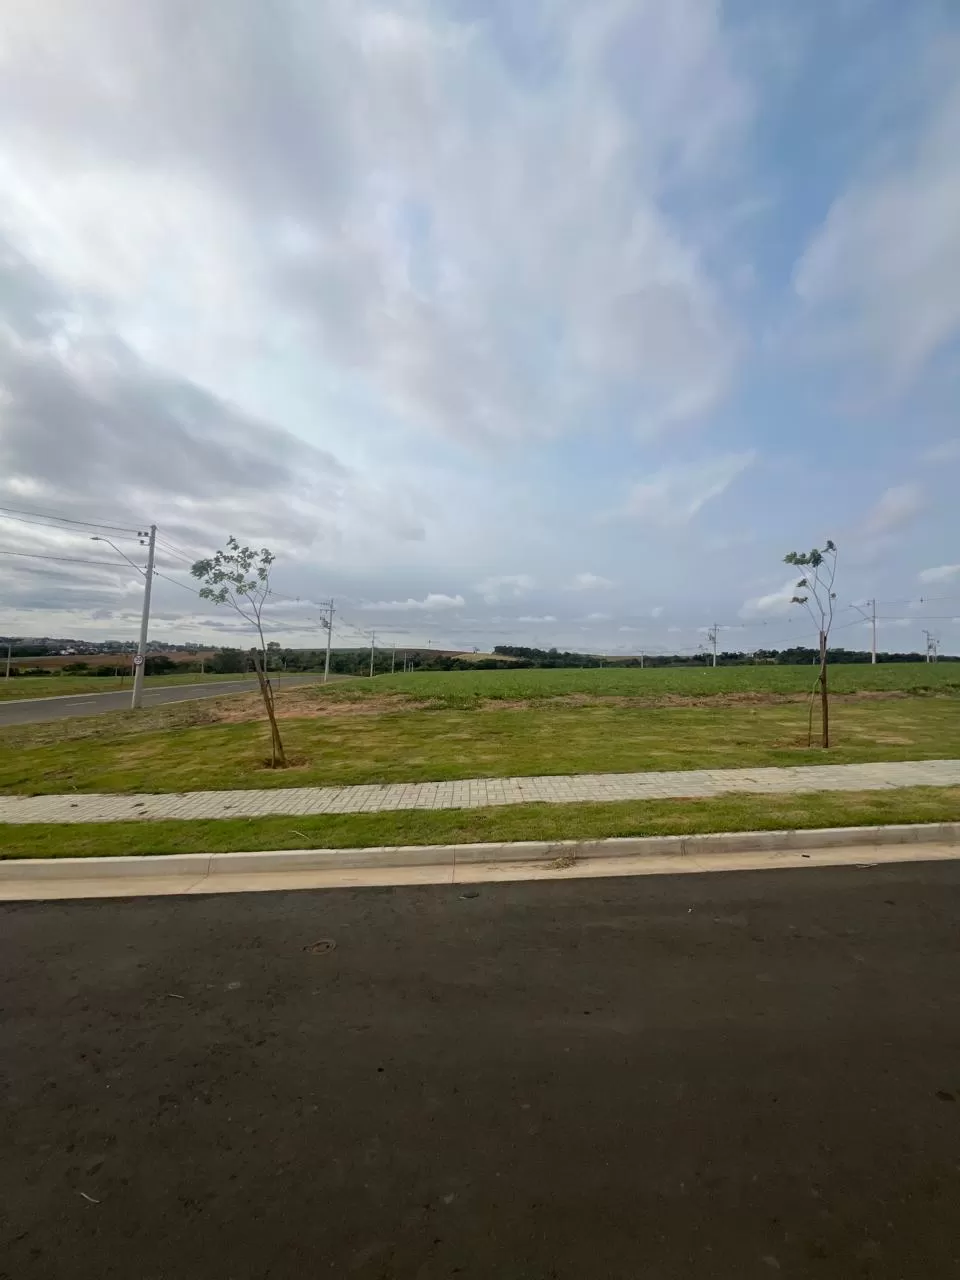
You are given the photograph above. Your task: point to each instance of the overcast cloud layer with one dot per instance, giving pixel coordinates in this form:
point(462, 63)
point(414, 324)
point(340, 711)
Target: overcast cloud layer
point(552, 322)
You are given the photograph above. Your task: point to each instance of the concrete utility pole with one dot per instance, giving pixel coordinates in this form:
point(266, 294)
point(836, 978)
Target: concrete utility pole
point(136, 700)
point(873, 625)
point(871, 617)
point(932, 643)
point(712, 634)
point(373, 648)
point(9, 652)
point(329, 624)
point(393, 660)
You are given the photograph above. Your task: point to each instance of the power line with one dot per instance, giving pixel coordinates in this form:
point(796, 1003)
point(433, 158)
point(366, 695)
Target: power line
point(172, 551)
point(44, 524)
point(35, 555)
point(167, 578)
point(16, 513)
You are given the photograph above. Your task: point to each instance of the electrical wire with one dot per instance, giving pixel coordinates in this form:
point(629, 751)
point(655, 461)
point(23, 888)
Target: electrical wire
point(35, 555)
point(166, 577)
point(172, 551)
point(14, 513)
point(40, 524)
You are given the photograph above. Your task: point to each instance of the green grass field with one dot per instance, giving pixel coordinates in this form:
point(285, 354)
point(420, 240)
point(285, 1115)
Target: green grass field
point(489, 724)
point(25, 687)
point(453, 826)
point(462, 688)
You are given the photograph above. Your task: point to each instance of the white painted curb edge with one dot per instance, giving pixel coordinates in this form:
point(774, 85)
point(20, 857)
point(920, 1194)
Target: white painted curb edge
point(269, 862)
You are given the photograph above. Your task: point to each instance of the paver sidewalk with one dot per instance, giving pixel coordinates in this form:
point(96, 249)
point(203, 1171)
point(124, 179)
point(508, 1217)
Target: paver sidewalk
point(475, 793)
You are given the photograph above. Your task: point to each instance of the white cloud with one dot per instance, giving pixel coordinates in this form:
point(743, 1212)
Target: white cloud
point(894, 510)
point(384, 183)
point(507, 586)
point(589, 582)
point(431, 602)
point(947, 451)
point(673, 495)
point(882, 275)
point(941, 573)
point(547, 617)
point(656, 611)
point(773, 603)
point(598, 617)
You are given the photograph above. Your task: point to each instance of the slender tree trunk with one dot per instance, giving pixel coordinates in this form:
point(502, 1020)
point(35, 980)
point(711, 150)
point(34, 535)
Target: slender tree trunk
point(279, 758)
point(824, 699)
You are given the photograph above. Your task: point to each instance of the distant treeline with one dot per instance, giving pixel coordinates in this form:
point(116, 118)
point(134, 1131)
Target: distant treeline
point(506, 657)
point(797, 656)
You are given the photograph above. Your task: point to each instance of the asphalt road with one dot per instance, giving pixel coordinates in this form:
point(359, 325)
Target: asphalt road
point(38, 710)
point(737, 1075)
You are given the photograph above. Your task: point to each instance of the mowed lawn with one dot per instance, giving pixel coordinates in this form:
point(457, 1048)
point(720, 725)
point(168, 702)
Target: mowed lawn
point(490, 724)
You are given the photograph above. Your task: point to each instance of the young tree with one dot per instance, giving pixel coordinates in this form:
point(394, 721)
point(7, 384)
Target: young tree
point(820, 572)
point(240, 577)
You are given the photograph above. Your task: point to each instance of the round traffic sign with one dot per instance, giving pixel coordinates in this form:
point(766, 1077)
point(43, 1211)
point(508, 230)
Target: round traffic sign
point(138, 660)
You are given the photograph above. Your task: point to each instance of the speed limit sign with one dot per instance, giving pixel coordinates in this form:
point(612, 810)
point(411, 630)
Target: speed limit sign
point(138, 660)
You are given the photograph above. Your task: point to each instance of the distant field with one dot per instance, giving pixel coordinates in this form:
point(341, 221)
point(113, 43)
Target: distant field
point(457, 688)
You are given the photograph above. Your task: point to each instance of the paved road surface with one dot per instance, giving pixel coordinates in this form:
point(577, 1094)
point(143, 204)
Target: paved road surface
point(740, 1075)
point(35, 710)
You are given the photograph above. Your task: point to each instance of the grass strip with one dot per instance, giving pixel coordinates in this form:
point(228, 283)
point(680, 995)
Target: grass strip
point(181, 749)
point(737, 812)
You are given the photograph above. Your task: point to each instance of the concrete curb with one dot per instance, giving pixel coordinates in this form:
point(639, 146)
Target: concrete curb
point(210, 866)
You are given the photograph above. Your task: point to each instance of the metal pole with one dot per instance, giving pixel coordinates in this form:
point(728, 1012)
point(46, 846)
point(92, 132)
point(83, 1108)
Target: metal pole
point(9, 651)
point(393, 660)
point(873, 623)
point(326, 665)
point(373, 648)
point(137, 700)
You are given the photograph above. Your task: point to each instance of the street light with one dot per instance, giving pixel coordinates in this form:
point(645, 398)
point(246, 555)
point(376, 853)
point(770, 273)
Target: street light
point(148, 539)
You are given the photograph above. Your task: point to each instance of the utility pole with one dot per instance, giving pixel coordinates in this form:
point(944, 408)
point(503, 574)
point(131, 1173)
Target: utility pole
point(329, 625)
point(931, 646)
point(9, 652)
point(641, 659)
point(393, 660)
point(873, 628)
point(141, 660)
point(712, 634)
point(871, 617)
point(373, 648)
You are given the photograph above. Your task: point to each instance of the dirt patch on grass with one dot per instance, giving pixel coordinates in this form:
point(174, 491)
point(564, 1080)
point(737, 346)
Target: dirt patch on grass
point(308, 705)
point(742, 699)
point(290, 706)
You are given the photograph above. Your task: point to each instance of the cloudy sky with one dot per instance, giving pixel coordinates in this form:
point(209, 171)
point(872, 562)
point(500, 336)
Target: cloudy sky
point(547, 322)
